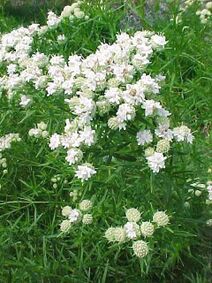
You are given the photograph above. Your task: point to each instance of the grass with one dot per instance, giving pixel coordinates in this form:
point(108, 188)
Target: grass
point(30, 249)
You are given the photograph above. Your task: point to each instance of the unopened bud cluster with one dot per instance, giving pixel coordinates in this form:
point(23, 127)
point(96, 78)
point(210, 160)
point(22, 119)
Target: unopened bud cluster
point(40, 131)
point(58, 180)
point(204, 11)
point(3, 164)
point(76, 215)
point(69, 12)
point(198, 189)
point(5, 144)
point(132, 230)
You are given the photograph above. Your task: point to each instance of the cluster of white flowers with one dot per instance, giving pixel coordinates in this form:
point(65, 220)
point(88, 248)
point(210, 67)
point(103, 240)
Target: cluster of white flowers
point(187, 3)
point(204, 11)
point(111, 82)
point(25, 101)
point(16, 46)
point(3, 161)
point(5, 143)
point(61, 38)
point(209, 189)
point(209, 222)
point(133, 231)
point(198, 189)
point(56, 179)
point(22, 66)
point(3, 164)
point(104, 82)
point(71, 12)
point(85, 171)
point(75, 215)
point(75, 194)
point(40, 131)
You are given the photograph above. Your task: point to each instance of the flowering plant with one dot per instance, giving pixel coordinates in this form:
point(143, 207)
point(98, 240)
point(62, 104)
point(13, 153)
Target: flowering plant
point(98, 122)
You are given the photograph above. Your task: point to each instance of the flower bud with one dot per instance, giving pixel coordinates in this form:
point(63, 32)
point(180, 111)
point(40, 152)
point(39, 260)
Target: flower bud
point(140, 248)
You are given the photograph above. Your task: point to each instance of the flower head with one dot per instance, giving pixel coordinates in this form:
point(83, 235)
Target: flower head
point(144, 137)
point(133, 215)
point(161, 218)
point(85, 205)
point(74, 155)
point(66, 210)
point(163, 146)
point(87, 219)
point(156, 161)
point(132, 230)
point(183, 133)
point(119, 234)
point(74, 215)
point(109, 234)
point(85, 171)
point(25, 101)
point(140, 248)
point(65, 225)
point(147, 229)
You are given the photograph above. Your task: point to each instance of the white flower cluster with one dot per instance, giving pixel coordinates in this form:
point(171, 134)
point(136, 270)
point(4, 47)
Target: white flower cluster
point(105, 82)
point(133, 231)
point(70, 12)
point(187, 3)
point(6, 141)
point(75, 194)
point(16, 53)
point(57, 179)
point(61, 38)
point(197, 189)
point(182, 9)
point(16, 46)
point(204, 12)
point(85, 171)
point(40, 131)
point(3, 164)
point(209, 189)
point(209, 222)
point(25, 101)
point(76, 215)
point(111, 82)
